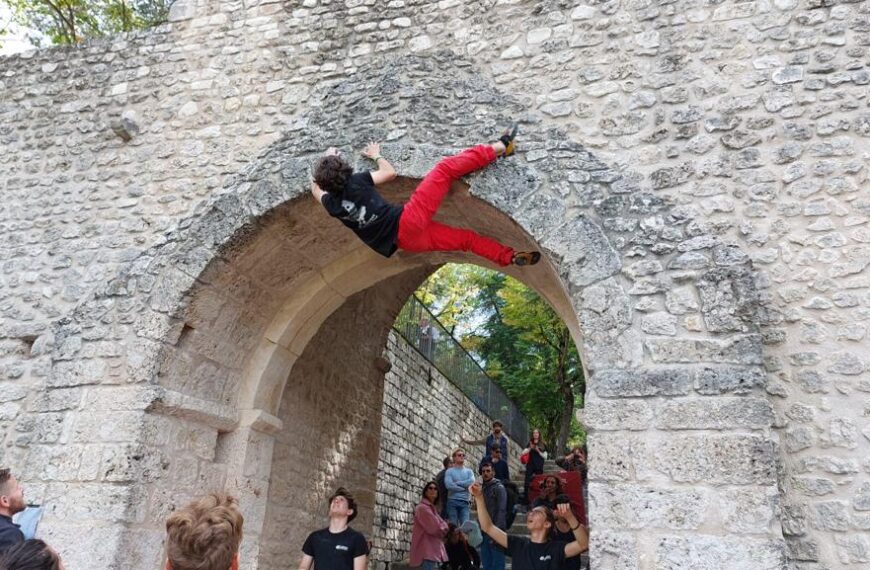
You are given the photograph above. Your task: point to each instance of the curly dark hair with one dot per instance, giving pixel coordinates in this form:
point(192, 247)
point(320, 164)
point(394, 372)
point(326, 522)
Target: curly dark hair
point(332, 173)
point(32, 554)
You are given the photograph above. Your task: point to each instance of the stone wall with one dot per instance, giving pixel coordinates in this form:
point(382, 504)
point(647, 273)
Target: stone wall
point(423, 420)
point(695, 171)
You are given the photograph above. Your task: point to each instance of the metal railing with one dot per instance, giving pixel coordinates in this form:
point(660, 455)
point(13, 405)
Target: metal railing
point(419, 327)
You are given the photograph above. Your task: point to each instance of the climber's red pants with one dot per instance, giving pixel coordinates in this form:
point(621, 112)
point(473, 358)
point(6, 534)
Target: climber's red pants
point(417, 231)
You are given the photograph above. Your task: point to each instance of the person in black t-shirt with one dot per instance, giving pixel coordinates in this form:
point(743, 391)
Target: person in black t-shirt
point(336, 547)
point(11, 502)
point(352, 198)
point(538, 552)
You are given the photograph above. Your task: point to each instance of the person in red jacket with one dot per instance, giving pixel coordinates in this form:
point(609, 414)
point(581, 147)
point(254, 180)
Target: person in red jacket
point(352, 198)
point(427, 535)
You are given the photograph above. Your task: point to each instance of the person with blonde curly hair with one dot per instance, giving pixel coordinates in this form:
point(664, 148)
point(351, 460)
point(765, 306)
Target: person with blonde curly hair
point(205, 535)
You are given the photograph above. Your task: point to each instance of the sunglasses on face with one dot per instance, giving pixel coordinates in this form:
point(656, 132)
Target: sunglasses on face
point(459, 455)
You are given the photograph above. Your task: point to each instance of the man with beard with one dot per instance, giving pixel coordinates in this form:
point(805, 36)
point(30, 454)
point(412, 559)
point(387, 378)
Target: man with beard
point(11, 502)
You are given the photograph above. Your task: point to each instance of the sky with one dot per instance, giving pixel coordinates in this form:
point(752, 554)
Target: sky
point(14, 41)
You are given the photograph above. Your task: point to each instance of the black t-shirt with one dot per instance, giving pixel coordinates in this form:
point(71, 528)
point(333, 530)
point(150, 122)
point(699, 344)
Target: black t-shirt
point(556, 535)
point(363, 210)
point(528, 555)
point(335, 551)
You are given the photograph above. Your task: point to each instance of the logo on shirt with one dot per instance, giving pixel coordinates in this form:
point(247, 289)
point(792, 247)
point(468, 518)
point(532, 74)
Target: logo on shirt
point(545, 558)
point(356, 215)
point(341, 547)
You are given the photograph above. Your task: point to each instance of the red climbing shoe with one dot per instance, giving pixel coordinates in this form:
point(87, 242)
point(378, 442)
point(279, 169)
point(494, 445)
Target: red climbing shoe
point(508, 139)
point(522, 258)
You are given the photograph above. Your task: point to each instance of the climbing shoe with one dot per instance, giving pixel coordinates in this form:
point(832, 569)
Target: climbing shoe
point(526, 258)
point(508, 139)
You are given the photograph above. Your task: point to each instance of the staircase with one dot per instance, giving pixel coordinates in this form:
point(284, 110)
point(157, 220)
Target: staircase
point(519, 526)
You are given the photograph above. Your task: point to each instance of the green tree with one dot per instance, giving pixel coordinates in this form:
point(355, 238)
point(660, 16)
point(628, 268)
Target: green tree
point(530, 352)
point(521, 342)
point(73, 21)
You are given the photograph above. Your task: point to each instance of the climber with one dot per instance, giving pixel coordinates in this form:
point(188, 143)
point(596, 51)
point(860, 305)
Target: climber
point(352, 198)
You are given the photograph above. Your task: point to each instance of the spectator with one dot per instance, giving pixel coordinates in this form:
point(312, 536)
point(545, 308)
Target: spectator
point(535, 465)
point(457, 480)
point(429, 531)
point(442, 489)
point(460, 554)
point(538, 552)
point(495, 497)
point(11, 502)
point(205, 535)
point(336, 547)
point(551, 493)
point(496, 437)
point(31, 554)
point(576, 461)
point(499, 464)
point(427, 337)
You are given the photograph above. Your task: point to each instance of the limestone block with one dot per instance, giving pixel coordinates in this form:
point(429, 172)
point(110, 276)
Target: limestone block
point(630, 506)
point(718, 459)
point(750, 511)
point(831, 515)
point(76, 373)
point(715, 413)
point(854, 549)
point(614, 550)
point(719, 553)
point(611, 456)
point(738, 349)
point(618, 414)
point(644, 382)
point(861, 500)
point(591, 258)
point(794, 519)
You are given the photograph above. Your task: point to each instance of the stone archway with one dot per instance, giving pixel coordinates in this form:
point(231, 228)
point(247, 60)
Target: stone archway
point(216, 318)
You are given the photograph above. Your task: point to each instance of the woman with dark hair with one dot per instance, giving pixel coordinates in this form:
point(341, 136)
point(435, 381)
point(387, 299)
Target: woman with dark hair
point(461, 555)
point(551, 493)
point(537, 454)
point(32, 554)
point(427, 546)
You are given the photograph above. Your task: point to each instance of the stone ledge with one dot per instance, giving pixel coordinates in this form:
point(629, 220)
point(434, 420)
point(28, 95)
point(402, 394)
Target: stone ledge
point(176, 404)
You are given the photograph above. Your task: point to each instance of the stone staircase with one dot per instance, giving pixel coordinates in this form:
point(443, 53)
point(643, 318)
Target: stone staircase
point(519, 526)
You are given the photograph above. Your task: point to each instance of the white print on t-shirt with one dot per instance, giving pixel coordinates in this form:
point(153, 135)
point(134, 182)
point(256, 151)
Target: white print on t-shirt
point(341, 547)
point(545, 558)
point(357, 215)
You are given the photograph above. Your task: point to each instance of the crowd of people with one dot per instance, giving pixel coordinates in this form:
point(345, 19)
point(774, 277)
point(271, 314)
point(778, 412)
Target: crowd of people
point(444, 537)
point(206, 534)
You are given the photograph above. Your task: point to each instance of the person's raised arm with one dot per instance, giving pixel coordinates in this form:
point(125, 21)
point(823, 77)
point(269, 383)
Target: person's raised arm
point(581, 535)
point(305, 564)
point(495, 533)
point(385, 171)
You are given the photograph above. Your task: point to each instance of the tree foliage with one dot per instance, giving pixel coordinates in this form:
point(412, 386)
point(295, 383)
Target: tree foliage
point(73, 21)
point(521, 342)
